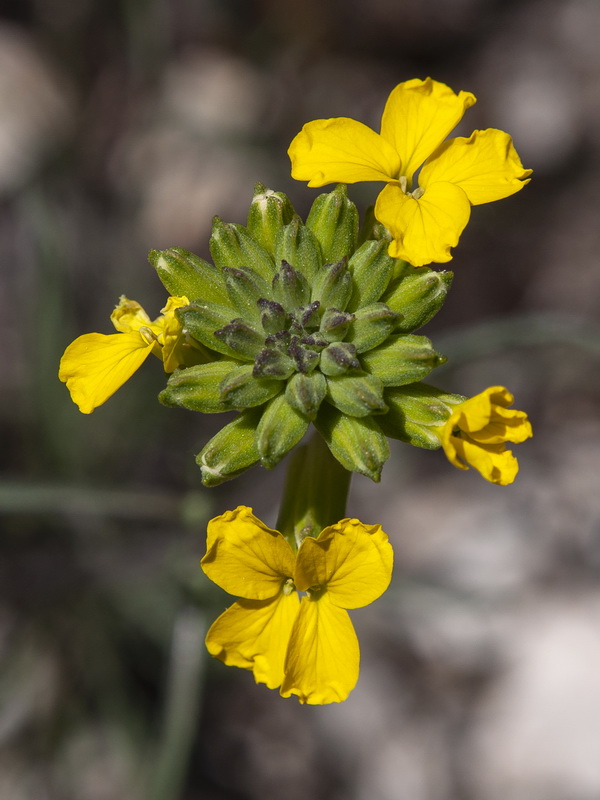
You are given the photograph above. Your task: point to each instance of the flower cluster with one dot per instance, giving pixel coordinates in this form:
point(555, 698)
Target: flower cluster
point(297, 323)
point(306, 646)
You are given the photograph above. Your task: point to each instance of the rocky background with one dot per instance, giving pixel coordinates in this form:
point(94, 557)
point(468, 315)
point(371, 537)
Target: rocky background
point(125, 126)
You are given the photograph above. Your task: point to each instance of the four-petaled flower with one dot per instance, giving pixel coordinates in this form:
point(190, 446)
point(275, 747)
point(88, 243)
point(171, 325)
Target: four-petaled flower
point(307, 647)
point(425, 221)
point(95, 365)
point(477, 431)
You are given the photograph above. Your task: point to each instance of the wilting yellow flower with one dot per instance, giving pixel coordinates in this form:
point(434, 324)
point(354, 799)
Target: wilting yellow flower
point(308, 647)
point(95, 365)
point(477, 431)
point(425, 220)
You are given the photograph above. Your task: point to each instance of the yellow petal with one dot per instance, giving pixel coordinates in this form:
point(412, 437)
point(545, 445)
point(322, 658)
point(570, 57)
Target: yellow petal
point(341, 150)
point(129, 316)
point(486, 166)
point(485, 417)
point(323, 658)
point(352, 560)
point(94, 366)
point(493, 461)
point(254, 634)
point(417, 118)
point(423, 230)
point(246, 558)
point(173, 338)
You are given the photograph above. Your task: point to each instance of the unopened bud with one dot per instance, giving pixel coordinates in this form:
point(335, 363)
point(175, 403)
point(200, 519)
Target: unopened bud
point(333, 219)
point(403, 358)
point(268, 213)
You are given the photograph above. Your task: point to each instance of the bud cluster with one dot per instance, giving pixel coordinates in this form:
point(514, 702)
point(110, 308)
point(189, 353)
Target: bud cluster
point(302, 323)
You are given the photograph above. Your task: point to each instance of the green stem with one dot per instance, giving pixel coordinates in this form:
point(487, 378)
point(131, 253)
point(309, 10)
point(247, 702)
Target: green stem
point(315, 492)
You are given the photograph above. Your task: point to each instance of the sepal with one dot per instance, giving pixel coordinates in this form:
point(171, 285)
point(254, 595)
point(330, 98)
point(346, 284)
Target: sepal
point(332, 287)
point(185, 274)
point(371, 326)
point(371, 269)
point(356, 395)
point(357, 443)
point(418, 294)
point(297, 245)
point(280, 428)
point(231, 451)
point(402, 358)
point(338, 358)
point(245, 288)
point(231, 246)
point(201, 320)
point(290, 287)
point(333, 219)
point(416, 413)
point(198, 388)
point(240, 389)
point(269, 212)
point(305, 393)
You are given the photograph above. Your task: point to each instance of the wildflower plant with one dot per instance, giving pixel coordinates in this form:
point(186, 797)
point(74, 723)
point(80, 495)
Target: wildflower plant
point(318, 323)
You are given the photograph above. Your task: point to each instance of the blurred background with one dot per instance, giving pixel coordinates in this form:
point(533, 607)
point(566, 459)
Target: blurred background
point(125, 125)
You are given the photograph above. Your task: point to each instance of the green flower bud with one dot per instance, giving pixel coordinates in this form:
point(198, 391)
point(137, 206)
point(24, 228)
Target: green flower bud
point(231, 246)
point(290, 287)
point(338, 358)
point(269, 212)
point(371, 326)
point(184, 274)
point(372, 269)
point(245, 288)
point(305, 393)
point(198, 388)
point(272, 363)
point(274, 317)
point(402, 358)
point(417, 294)
point(356, 395)
point(280, 428)
point(240, 389)
point(357, 443)
point(332, 287)
point(333, 219)
point(334, 325)
point(416, 412)
point(201, 320)
point(231, 451)
point(297, 245)
point(241, 338)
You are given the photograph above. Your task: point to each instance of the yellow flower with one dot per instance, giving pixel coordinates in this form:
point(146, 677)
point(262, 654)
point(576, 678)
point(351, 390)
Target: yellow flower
point(308, 647)
point(425, 220)
point(477, 431)
point(95, 365)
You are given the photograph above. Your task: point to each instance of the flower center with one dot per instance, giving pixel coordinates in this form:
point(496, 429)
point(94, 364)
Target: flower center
point(288, 587)
point(416, 194)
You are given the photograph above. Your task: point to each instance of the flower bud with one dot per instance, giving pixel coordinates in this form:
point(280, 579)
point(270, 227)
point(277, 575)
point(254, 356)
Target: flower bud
point(356, 395)
point(332, 287)
point(280, 428)
point(230, 246)
point(333, 219)
point(417, 294)
point(198, 388)
point(416, 413)
point(338, 358)
point(297, 245)
point(245, 287)
point(240, 389)
point(372, 269)
point(201, 320)
point(185, 274)
point(357, 443)
point(268, 213)
point(272, 363)
point(290, 287)
point(231, 451)
point(305, 393)
point(371, 326)
point(334, 325)
point(241, 338)
point(403, 358)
